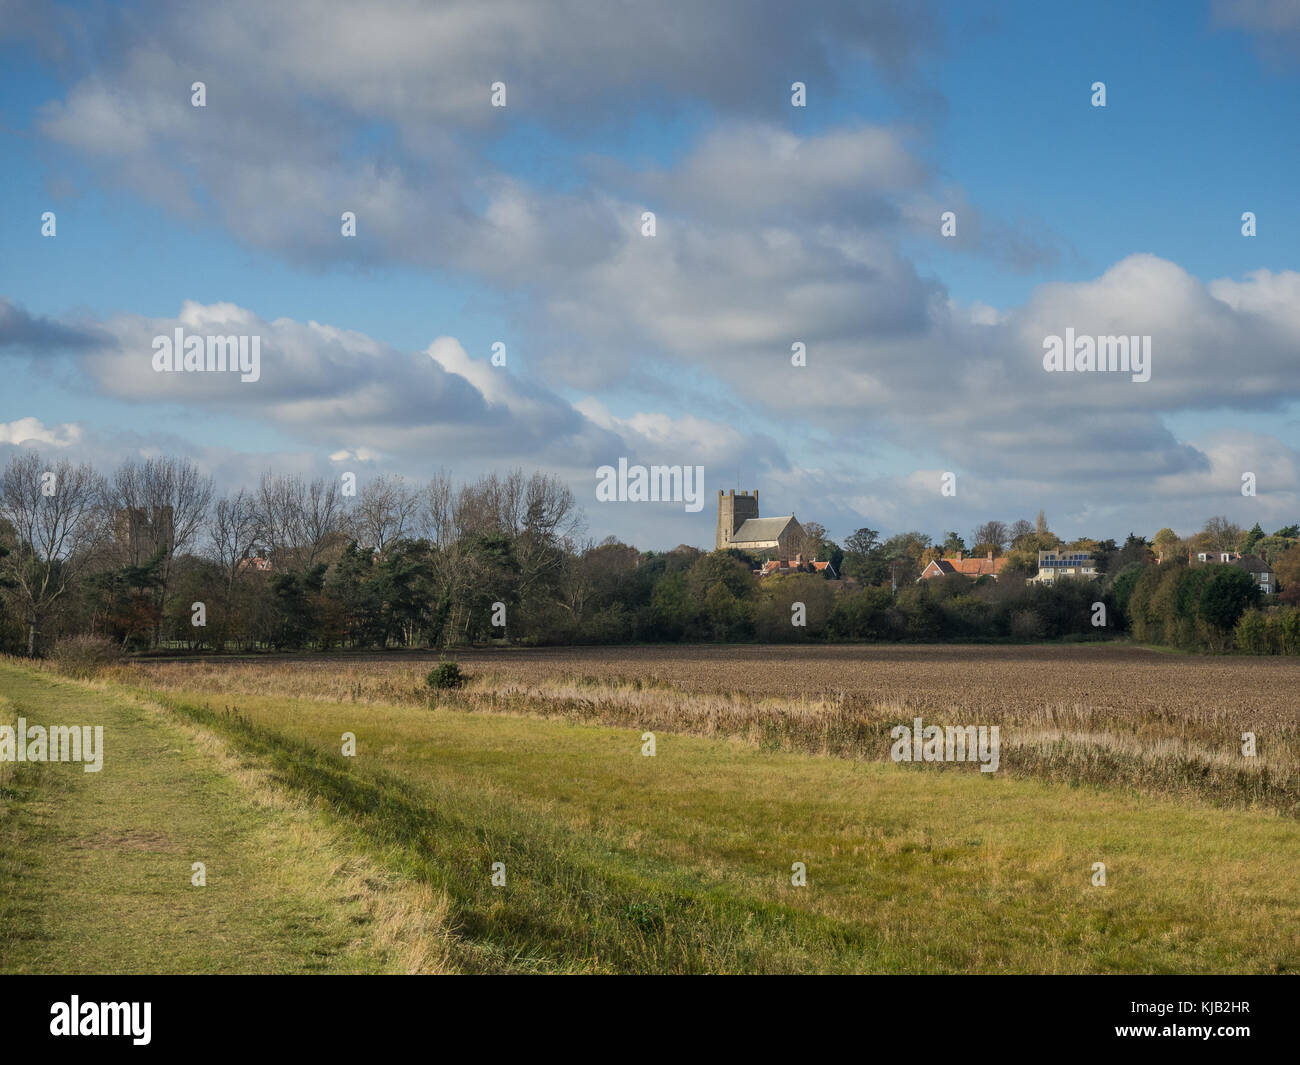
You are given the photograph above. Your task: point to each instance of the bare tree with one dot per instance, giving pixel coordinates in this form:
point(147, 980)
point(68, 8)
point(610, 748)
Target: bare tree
point(297, 521)
point(279, 505)
point(550, 523)
point(1222, 534)
point(991, 534)
point(58, 521)
point(159, 505)
point(387, 510)
point(322, 518)
point(232, 534)
point(1019, 530)
point(435, 519)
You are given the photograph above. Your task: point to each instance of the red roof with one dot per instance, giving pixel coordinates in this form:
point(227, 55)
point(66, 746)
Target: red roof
point(969, 567)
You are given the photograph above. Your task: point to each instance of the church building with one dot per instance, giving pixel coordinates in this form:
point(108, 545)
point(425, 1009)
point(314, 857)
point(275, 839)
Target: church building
point(740, 527)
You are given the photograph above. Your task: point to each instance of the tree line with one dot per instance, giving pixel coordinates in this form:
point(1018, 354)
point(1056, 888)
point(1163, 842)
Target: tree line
point(151, 558)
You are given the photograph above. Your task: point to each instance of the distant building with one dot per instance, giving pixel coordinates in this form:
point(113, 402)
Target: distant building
point(971, 566)
point(740, 528)
point(1053, 565)
point(796, 565)
point(142, 533)
point(1252, 564)
point(1260, 570)
point(258, 563)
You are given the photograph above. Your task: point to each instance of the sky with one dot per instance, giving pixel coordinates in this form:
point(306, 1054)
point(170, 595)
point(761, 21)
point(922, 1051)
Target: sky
point(775, 225)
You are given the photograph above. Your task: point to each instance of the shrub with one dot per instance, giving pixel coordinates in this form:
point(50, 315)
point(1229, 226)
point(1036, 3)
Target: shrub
point(446, 675)
point(1026, 625)
point(84, 657)
point(1285, 627)
point(1252, 635)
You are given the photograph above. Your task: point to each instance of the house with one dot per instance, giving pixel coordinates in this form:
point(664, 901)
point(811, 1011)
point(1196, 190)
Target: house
point(259, 563)
point(1252, 564)
point(797, 565)
point(972, 567)
point(740, 527)
point(1053, 565)
point(1260, 570)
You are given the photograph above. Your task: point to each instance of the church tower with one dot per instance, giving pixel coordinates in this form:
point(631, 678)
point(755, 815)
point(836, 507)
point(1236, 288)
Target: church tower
point(733, 511)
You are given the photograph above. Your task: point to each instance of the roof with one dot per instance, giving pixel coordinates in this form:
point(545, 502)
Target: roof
point(761, 530)
point(1253, 564)
point(973, 567)
point(967, 567)
point(778, 565)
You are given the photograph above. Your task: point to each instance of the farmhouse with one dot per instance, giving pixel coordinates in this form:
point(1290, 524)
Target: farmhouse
point(967, 566)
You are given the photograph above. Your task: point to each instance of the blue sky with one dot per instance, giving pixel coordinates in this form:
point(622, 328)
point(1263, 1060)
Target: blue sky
point(776, 224)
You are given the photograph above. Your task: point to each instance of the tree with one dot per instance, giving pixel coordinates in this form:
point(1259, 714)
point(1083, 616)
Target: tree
point(1287, 571)
point(861, 543)
point(232, 535)
point(384, 513)
point(1134, 552)
point(902, 555)
point(1227, 593)
point(813, 541)
point(952, 543)
point(57, 518)
point(1221, 534)
point(1019, 530)
point(1167, 543)
point(159, 506)
point(1251, 540)
point(863, 559)
point(297, 521)
point(992, 534)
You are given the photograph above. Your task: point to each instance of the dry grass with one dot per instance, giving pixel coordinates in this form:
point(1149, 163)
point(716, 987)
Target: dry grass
point(1089, 714)
point(406, 924)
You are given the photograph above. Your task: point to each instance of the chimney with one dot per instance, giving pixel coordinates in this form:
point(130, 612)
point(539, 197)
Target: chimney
point(959, 556)
point(990, 556)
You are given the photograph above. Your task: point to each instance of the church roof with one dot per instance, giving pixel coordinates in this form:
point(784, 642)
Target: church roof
point(761, 530)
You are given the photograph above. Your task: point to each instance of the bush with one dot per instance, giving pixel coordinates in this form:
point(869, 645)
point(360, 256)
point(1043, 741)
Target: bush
point(1026, 625)
point(1285, 626)
point(84, 657)
point(1252, 635)
point(446, 675)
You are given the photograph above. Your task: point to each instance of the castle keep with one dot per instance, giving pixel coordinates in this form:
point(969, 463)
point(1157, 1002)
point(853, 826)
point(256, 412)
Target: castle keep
point(740, 527)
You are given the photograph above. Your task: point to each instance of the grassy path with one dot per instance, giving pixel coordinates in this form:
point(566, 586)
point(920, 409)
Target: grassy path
point(612, 862)
point(95, 868)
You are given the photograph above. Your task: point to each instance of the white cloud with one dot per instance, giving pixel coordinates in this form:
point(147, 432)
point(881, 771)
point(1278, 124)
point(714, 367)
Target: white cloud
point(29, 431)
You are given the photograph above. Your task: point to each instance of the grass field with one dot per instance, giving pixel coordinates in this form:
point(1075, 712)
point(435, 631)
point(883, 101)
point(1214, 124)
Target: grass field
point(681, 862)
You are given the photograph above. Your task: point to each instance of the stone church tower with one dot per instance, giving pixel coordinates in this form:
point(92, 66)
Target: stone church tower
point(733, 511)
